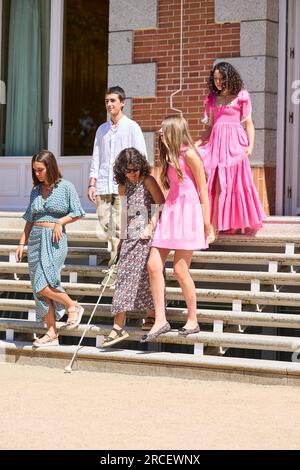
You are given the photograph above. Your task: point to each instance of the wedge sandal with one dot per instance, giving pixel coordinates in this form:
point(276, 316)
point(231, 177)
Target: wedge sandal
point(74, 322)
point(49, 341)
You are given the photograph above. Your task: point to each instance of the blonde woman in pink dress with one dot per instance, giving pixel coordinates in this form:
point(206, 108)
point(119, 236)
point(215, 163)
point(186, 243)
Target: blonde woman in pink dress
point(184, 224)
point(225, 149)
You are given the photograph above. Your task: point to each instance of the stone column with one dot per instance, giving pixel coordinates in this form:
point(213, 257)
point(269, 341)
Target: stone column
point(138, 80)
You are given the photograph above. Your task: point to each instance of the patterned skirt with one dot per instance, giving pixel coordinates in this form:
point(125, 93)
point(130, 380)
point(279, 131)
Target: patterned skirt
point(132, 290)
point(45, 261)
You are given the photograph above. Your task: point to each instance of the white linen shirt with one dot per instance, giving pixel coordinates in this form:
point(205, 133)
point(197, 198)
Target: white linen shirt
point(109, 141)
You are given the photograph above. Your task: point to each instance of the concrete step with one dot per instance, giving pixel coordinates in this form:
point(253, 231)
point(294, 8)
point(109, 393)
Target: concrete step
point(282, 219)
point(241, 257)
point(215, 257)
point(172, 293)
point(202, 275)
point(188, 366)
point(271, 234)
point(93, 254)
point(87, 236)
point(13, 220)
point(269, 319)
point(229, 340)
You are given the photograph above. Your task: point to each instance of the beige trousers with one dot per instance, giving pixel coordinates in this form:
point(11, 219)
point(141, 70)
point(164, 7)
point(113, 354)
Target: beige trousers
point(109, 215)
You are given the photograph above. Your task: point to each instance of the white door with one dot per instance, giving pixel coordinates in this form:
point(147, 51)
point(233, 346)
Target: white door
point(292, 148)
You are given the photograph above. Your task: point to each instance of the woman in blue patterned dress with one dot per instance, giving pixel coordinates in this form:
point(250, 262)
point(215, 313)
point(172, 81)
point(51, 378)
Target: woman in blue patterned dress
point(54, 203)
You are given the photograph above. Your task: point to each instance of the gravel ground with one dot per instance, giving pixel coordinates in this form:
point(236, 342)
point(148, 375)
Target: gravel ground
point(43, 408)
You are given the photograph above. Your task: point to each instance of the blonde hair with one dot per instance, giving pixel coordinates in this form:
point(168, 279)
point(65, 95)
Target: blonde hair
point(175, 134)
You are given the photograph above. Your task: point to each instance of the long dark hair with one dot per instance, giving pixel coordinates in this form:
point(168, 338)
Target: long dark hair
point(49, 160)
point(231, 79)
point(130, 156)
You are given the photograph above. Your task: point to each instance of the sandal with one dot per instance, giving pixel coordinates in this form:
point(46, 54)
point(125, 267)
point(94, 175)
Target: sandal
point(73, 322)
point(110, 340)
point(148, 322)
point(49, 341)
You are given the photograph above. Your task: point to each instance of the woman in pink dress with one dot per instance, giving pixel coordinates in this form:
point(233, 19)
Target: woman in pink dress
point(183, 225)
point(225, 149)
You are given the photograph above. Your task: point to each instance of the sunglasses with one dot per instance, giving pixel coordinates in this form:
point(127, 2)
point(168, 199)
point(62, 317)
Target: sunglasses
point(131, 170)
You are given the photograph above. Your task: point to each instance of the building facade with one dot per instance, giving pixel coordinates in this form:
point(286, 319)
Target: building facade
point(160, 52)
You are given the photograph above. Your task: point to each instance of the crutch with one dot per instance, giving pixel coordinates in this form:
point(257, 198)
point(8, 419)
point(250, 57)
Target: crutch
point(68, 368)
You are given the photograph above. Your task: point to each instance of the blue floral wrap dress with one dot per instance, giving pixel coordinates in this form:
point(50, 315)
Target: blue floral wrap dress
point(45, 257)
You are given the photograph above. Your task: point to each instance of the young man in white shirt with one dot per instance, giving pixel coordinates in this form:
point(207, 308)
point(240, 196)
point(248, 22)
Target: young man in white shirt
point(118, 133)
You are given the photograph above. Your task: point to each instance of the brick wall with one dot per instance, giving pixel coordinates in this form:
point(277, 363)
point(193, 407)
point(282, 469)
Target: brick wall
point(203, 42)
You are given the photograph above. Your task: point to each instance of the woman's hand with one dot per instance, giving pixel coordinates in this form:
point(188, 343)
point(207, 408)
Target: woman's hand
point(147, 232)
point(19, 253)
point(57, 232)
point(207, 230)
point(249, 151)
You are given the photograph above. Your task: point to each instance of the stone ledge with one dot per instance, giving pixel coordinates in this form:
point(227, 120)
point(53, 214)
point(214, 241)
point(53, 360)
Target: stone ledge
point(199, 275)
point(156, 364)
point(234, 11)
point(259, 38)
point(172, 293)
point(120, 48)
point(138, 80)
point(229, 340)
point(279, 320)
point(132, 14)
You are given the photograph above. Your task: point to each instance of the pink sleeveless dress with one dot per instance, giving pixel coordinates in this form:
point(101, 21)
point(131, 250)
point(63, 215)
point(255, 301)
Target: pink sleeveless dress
point(180, 226)
point(224, 157)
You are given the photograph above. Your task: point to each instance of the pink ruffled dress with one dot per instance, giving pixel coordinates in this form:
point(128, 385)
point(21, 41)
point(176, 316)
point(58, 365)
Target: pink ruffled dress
point(181, 225)
point(224, 157)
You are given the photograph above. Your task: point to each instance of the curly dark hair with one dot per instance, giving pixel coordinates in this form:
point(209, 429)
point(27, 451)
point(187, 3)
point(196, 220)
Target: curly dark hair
point(231, 79)
point(130, 156)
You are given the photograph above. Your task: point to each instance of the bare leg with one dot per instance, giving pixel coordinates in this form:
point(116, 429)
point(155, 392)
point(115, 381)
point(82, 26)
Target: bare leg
point(215, 215)
point(57, 296)
point(182, 261)
point(150, 313)
point(50, 323)
point(49, 319)
point(149, 320)
point(156, 264)
point(62, 298)
point(119, 320)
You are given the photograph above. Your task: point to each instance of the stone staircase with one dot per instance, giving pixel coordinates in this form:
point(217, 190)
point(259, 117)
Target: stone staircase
point(248, 308)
